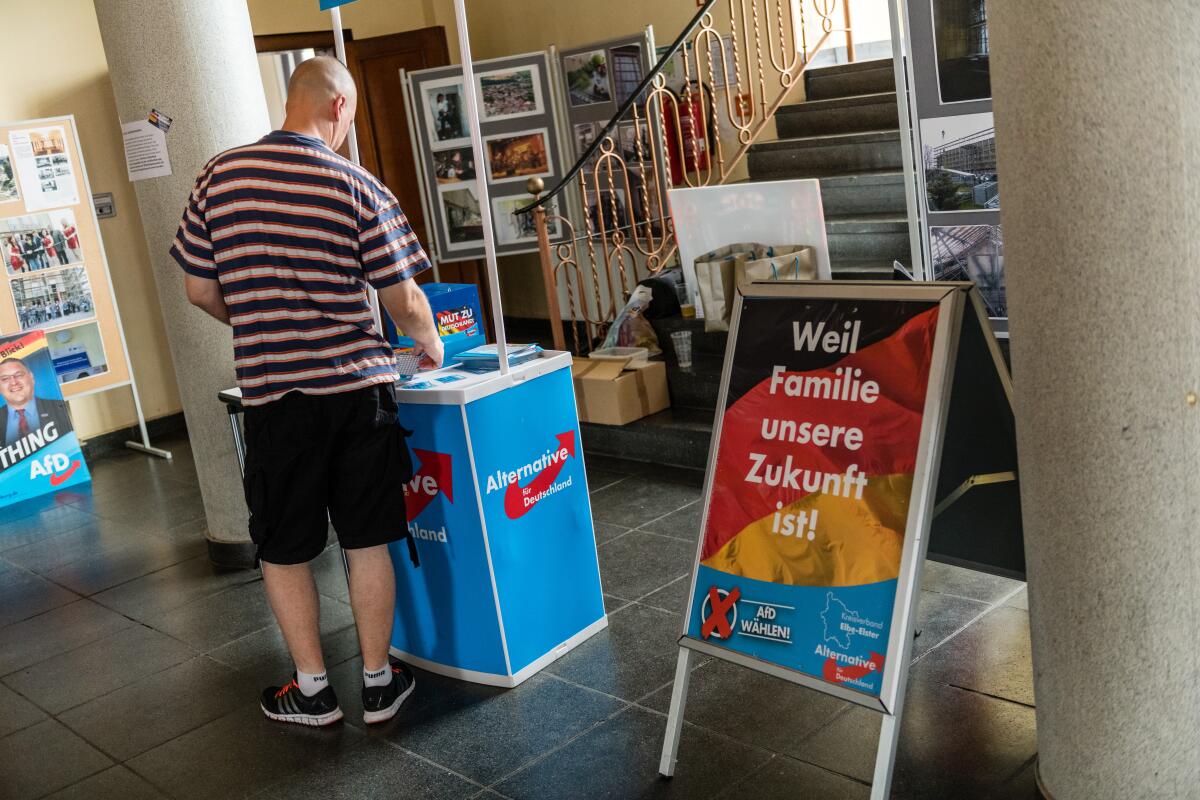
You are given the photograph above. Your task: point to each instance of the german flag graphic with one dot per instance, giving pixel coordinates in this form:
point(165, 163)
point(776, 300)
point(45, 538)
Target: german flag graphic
point(844, 466)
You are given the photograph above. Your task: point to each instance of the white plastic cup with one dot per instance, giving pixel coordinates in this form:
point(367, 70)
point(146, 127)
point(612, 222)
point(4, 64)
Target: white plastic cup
point(682, 341)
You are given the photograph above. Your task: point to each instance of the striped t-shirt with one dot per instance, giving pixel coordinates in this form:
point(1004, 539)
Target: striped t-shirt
point(294, 232)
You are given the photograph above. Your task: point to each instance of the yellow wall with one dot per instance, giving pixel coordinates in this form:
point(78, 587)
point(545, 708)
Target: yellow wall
point(66, 73)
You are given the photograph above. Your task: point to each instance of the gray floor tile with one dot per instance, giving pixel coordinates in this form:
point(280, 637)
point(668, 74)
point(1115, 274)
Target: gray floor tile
point(640, 563)
point(55, 632)
point(177, 585)
point(210, 622)
point(953, 743)
point(346, 679)
point(16, 712)
point(606, 531)
point(612, 603)
point(682, 524)
point(783, 778)
point(27, 523)
point(371, 769)
point(88, 541)
point(484, 733)
point(940, 615)
point(760, 710)
point(173, 506)
point(601, 478)
point(948, 579)
point(638, 500)
point(98, 668)
point(266, 645)
point(115, 783)
point(45, 758)
point(992, 657)
point(1019, 600)
point(241, 753)
point(619, 760)
point(156, 709)
point(121, 564)
point(673, 597)
point(24, 595)
point(634, 656)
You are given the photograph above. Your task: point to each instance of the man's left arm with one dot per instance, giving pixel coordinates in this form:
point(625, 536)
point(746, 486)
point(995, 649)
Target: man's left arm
point(193, 251)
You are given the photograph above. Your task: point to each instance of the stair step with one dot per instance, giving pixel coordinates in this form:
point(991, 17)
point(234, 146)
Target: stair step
point(867, 193)
point(882, 236)
point(868, 112)
point(822, 156)
point(675, 437)
point(867, 269)
point(846, 80)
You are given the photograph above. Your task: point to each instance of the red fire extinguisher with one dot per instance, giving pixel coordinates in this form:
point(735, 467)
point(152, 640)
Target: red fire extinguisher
point(695, 110)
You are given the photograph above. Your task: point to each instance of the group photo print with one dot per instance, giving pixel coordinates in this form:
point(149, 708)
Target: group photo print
point(445, 113)
point(53, 298)
point(8, 177)
point(454, 165)
point(40, 241)
point(516, 156)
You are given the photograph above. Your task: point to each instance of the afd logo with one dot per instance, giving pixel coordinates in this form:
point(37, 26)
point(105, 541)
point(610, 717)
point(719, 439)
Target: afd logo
point(57, 467)
point(433, 478)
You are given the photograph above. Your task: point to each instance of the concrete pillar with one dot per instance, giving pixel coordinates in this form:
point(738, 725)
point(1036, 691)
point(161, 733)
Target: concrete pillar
point(193, 60)
point(1098, 137)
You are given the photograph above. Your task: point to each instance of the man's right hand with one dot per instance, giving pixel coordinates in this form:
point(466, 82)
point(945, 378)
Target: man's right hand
point(432, 352)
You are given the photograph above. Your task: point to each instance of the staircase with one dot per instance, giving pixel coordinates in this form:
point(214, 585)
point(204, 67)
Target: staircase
point(846, 134)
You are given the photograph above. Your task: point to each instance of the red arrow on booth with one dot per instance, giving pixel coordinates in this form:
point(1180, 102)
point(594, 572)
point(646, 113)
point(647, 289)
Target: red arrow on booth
point(417, 493)
point(837, 673)
point(514, 496)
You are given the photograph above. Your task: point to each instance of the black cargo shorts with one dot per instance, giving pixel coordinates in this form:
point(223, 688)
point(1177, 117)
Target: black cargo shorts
point(315, 459)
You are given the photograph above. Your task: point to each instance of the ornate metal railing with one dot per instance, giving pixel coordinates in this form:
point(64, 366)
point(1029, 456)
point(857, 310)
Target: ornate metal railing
point(690, 128)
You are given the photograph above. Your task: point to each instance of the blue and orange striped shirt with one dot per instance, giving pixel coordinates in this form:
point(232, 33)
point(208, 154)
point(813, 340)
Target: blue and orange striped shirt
point(294, 233)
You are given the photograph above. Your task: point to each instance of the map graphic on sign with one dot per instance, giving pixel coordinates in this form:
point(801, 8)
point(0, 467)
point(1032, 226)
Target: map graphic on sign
point(835, 611)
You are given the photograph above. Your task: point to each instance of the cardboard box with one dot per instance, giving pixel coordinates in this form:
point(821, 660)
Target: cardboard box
point(617, 392)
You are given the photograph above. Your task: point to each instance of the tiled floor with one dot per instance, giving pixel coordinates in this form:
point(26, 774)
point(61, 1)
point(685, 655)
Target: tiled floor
point(129, 668)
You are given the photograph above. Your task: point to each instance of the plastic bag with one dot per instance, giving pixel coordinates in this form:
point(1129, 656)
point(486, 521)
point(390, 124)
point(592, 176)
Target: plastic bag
point(631, 328)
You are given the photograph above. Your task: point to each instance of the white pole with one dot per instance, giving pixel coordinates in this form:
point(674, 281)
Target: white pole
point(339, 47)
point(485, 206)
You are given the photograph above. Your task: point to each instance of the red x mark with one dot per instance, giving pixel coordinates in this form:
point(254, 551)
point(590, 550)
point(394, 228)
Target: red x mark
point(717, 610)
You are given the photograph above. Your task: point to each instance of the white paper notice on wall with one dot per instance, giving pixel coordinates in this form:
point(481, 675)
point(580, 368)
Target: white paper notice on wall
point(146, 153)
point(44, 167)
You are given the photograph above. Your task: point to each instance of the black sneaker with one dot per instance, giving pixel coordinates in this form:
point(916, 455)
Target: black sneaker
point(288, 704)
point(380, 703)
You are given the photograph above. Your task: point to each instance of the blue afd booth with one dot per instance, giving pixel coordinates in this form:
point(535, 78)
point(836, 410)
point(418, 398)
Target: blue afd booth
point(498, 506)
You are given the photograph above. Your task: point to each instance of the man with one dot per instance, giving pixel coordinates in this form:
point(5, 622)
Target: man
point(23, 411)
point(72, 237)
point(280, 239)
point(60, 246)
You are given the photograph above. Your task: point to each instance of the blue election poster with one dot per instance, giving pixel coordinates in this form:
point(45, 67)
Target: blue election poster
point(39, 450)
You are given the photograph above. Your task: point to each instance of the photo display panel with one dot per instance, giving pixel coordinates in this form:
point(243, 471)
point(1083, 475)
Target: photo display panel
point(597, 79)
point(956, 146)
point(520, 141)
point(55, 276)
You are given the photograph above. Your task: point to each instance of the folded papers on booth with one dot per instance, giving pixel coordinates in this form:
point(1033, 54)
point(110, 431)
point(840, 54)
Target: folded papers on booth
point(486, 358)
point(618, 392)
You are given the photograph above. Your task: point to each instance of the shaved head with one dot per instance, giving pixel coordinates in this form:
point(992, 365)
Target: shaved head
point(321, 100)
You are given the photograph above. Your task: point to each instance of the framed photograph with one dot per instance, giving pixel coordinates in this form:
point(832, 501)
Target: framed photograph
point(585, 134)
point(609, 205)
point(959, 156)
point(454, 165)
point(77, 352)
point(627, 71)
point(462, 216)
point(514, 228)
point(972, 253)
point(961, 47)
point(587, 77)
point(8, 177)
point(445, 112)
point(518, 156)
point(634, 140)
point(39, 241)
point(53, 298)
point(510, 93)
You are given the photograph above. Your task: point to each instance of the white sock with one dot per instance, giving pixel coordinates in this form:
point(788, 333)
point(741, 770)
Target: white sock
point(311, 684)
point(377, 677)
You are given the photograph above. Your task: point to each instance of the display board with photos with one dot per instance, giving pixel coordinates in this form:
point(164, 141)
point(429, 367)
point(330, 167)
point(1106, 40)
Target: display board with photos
point(520, 139)
point(955, 140)
point(55, 276)
point(597, 79)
